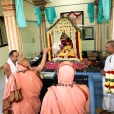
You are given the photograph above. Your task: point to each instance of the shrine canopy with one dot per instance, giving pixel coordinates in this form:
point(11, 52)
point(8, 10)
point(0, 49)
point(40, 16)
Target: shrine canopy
point(58, 35)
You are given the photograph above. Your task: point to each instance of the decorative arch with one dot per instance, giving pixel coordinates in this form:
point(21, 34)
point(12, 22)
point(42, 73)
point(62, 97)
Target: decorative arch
point(64, 25)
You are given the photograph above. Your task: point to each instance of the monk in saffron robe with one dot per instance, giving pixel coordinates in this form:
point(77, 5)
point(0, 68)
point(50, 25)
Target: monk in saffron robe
point(67, 97)
point(21, 95)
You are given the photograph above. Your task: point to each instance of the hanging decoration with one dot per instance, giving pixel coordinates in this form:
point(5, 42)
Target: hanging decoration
point(38, 15)
point(20, 17)
point(50, 45)
point(76, 17)
point(90, 11)
point(50, 14)
point(70, 21)
point(80, 46)
point(77, 45)
point(100, 18)
point(106, 8)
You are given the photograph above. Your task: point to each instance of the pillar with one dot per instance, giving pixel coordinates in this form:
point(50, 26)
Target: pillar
point(112, 22)
point(12, 30)
point(98, 29)
point(41, 4)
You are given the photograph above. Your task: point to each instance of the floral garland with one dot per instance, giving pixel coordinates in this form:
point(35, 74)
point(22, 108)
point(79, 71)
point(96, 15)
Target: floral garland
point(80, 50)
point(49, 54)
point(78, 38)
point(77, 15)
point(75, 27)
point(109, 82)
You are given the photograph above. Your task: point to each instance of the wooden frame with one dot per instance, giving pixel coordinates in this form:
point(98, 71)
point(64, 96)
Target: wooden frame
point(3, 35)
point(88, 33)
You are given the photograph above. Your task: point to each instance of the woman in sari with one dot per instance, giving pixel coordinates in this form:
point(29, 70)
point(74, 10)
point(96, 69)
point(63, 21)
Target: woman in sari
point(67, 97)
point(21, 95)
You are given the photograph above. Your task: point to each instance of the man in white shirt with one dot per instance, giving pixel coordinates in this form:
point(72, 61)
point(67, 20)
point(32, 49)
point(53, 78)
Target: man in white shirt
point(109, 65)
point(10, 65)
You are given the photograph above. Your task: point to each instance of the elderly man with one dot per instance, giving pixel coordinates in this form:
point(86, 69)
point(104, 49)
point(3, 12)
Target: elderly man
point(10, 65)
point(109, 65)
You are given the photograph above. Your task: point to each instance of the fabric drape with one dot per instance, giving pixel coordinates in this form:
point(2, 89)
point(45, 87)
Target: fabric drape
point(106, 8)
point(77, 45)
point(50, 42)
point(91, 12)
point(104, 11)
point(100, 17)
point(50, 14)
point(20, 17)
point(38, 15)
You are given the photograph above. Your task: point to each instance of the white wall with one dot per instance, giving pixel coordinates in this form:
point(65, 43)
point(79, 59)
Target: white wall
point(79, 7)
point(30, 32)
point(4, 51)
point(29, 11)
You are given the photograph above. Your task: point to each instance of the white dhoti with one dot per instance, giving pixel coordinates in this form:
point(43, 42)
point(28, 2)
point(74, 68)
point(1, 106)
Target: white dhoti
point(109, 65)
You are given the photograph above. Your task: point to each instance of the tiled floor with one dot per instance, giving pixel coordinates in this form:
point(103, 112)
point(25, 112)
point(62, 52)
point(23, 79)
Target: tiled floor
point(2, 84)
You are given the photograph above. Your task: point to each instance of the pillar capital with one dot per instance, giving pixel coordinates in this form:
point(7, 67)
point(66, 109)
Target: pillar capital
point(8, 7)
point(96, 2)
point(7, 2)
point(40, 3)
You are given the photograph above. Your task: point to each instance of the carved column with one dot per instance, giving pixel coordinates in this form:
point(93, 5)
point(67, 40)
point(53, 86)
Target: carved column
point(41, 4)
point(112, 22)
point(98, 29)
point(12, 30)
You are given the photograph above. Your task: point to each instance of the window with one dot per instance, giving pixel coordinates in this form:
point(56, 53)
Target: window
point(3, 36)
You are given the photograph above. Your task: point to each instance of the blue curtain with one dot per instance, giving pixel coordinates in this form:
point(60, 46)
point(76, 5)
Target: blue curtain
point(50, 14)
point(91, 12)
point(20, 17)
point(38, 15)
point(100, 18)
point(104, 11)
point(106, 8)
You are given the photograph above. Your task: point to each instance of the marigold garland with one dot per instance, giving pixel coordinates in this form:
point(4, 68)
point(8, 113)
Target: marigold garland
point(109, 82)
